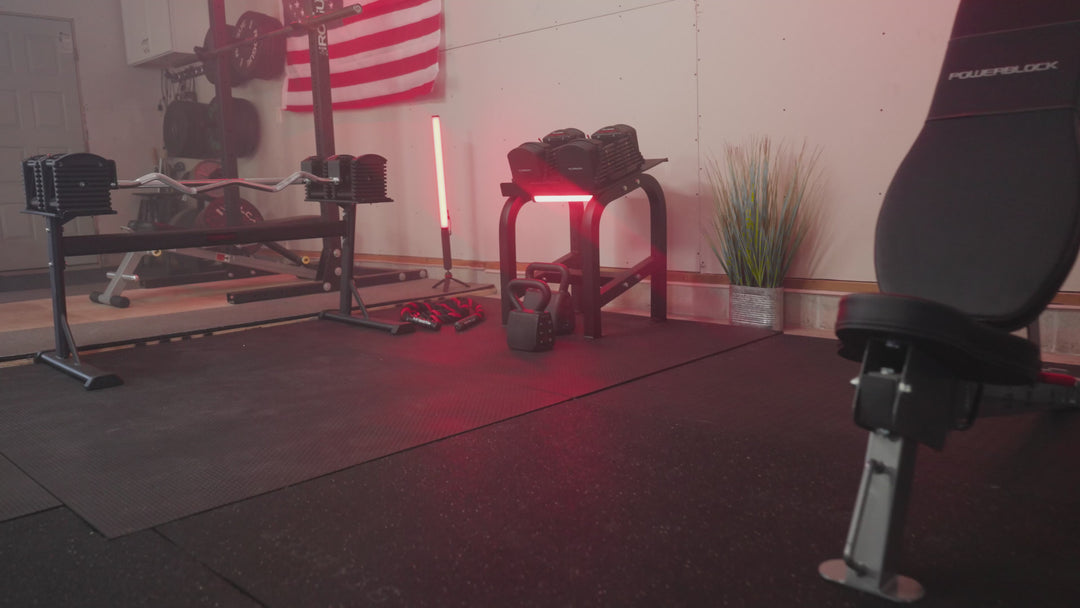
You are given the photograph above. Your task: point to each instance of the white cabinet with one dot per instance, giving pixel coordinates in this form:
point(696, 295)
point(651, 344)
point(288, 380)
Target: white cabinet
point(162, 33)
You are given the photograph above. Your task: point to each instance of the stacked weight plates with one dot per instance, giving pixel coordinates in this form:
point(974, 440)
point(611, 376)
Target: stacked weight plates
point(78, 183)
point(369, 179)
point(263, 59)
point(315, 191)
point(361, 179)
point(619, 154)
point(567, 155)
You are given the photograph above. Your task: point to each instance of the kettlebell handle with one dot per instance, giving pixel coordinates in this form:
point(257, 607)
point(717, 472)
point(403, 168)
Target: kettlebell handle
point(517, 286)
point(564, 272)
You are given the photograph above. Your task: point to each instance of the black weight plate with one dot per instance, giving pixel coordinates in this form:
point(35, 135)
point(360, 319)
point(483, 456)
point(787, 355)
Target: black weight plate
point(263, 58)
point(185, 218)
point(245, 127)
point(184, 129)
point(210, 65)
point(275, 63)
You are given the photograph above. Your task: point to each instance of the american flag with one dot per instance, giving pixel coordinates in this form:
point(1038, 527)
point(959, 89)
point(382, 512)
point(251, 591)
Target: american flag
point(387, 53)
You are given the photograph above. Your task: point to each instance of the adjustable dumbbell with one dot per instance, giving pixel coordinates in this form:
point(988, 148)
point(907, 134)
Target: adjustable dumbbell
point(529, 329)
point(561, 305)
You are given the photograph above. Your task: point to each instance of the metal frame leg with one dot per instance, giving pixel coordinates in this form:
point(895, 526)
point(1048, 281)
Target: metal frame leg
point(118, 279)
point(873, 542)
point(66, 356)
point(349, 293)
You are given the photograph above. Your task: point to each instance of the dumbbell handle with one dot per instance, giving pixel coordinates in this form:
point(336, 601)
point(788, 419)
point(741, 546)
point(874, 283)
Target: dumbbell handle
point(524, 284)
point(431, 324)
point(467, 322)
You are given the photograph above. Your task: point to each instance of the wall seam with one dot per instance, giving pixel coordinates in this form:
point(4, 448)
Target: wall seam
point(558, 25)
point(697, 134)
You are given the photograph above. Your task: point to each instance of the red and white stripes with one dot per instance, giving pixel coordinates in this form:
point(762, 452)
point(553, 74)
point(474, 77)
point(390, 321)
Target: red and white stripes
point(387, 53)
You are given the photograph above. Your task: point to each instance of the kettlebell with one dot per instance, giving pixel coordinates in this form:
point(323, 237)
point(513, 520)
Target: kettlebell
point(529, 329)
point(561, 305)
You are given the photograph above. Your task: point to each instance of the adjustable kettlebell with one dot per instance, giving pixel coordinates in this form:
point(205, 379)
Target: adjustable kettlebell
point(561, 305)
point(529, 329)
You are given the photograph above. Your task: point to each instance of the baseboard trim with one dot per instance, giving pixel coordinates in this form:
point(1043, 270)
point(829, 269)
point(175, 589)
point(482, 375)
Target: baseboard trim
point(1066, 298)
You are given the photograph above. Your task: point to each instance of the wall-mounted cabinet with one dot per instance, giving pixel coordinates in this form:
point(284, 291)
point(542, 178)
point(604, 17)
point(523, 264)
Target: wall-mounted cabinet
point(163, 33)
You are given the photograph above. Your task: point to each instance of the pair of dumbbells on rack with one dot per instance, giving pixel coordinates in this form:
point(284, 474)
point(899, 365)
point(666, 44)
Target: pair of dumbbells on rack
point(539, 313)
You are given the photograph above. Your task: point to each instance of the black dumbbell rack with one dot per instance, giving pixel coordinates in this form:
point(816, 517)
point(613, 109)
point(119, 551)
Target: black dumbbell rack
point(591, 290)
point(336, 225)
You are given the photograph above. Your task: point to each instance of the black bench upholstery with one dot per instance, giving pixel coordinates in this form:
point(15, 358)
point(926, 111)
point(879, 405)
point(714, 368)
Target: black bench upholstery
point(981, 222)
point(977, 232)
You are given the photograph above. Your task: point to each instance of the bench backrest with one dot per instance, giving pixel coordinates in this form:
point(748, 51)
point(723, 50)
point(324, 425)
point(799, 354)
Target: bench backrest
point(983, 213)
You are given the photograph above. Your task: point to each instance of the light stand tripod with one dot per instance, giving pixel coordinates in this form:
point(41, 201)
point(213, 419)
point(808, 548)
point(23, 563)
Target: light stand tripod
point(444, 215)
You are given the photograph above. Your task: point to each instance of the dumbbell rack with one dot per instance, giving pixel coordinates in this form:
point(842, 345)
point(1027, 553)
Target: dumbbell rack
point(65, 357)
point(592, 291)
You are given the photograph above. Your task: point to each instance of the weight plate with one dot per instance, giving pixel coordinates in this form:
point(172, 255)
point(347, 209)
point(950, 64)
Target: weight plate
point(263, 58)
point(245, 127)
point(185, 218)
point(210, 65)
point(184, 129)
point(213, 216)
point(207, 169)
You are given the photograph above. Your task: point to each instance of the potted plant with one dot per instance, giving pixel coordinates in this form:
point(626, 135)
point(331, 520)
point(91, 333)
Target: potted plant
point(761, 199)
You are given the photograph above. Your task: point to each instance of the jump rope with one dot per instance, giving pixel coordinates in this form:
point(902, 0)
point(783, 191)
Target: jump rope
point(462, 312)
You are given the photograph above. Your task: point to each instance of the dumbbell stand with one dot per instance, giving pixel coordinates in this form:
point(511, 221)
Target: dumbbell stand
point(584, 256)
point(66, 356)
point(347, 288)
point(594, 295)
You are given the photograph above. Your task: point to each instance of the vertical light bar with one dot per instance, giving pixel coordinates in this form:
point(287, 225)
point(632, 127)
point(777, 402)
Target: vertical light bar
point(436, 130)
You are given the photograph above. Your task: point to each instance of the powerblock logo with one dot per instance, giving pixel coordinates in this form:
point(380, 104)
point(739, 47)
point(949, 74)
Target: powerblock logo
point(1042, 66)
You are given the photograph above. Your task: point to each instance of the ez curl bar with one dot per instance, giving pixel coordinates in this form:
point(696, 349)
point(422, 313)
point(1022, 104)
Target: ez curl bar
point(193, 187)
point(61, 187)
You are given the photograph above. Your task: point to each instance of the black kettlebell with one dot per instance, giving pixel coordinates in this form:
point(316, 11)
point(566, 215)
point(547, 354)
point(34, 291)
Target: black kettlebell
point(529, 329)
point(561, 305)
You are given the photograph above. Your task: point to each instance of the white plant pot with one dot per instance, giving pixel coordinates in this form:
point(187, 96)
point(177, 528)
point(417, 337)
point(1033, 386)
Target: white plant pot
point(757, 306)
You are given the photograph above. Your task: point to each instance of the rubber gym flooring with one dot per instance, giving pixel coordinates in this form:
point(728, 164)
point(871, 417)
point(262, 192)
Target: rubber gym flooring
point(665, 464)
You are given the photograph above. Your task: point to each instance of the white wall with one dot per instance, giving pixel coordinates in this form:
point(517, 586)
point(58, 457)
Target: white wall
point(119, 103)
point(512, 72)
point(850, 76)
point(854, 78)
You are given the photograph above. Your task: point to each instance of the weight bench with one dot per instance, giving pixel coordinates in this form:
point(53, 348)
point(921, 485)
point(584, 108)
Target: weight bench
point(977, 232)
point(235, 258)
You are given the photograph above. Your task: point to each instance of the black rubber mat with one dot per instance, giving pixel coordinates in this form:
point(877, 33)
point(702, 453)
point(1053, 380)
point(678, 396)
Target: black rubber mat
point(720, 483)
point(209, 421)
point(55, 559)
point(19, 495)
